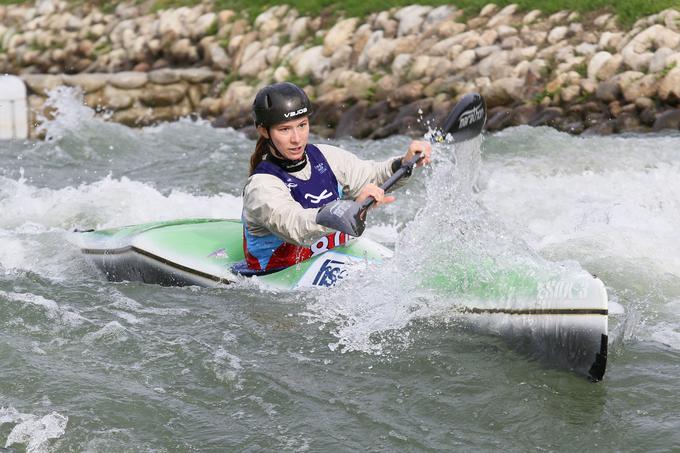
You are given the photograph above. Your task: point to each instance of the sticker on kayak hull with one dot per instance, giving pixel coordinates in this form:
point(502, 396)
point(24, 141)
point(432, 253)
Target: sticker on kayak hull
point(327, 270)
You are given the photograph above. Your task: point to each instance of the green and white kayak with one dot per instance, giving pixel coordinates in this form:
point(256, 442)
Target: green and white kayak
point(564, 319)
point(202, 252)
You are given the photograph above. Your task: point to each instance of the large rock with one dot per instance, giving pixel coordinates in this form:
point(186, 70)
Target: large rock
point(164, 76)
point(196, 75)
point(129, 79)
point(339, 35)
point(41, 84)
point(87, 82)
point(637, 54)
point(667, 120)
point(669, 86)
point(658, 61)
point(299, 29)
point(645, 86)
point(253, 64)
point(163, 95)
point(117, 99)
point(311, 62)
point(217, 56)
point(604, 65)
point(411, 19)
point(503, 91)
point(401, 65)
point(464, 60)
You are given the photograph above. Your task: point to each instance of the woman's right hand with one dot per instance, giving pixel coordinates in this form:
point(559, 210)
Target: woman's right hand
point(371, 190)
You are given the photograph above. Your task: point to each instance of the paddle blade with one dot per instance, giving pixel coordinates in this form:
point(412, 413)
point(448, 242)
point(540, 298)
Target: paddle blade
point(342, 215)
point(467, 118)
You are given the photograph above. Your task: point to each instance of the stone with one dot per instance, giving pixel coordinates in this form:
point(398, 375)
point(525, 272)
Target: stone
point(464, 60)
point(164, 76)
point(642, 103)
point(299, 29)
point(41, 84)
point(341, 58)
point(669, 86)
point(658, 61)
point(531, 17)
point(505, 31)
point(303, 63)
point(217, 56)
point(117, 99)
point(196, 75)
point(637, 53)
point(645, 86)
point(401, 65)
point(411, 19)
point(448, 29)
point(86, 82)
point(499, 118)
point(503, 91)
point(667, 120)
point(253, 64)
point(569, 93)
point(281, 74)
point(352, 122)
point(162, 95)
point(184, 50)
point(339, 35)
point(603, 65)
point(203, 25)
point(407, 93)
point(608, 91)
point(557, 34)
point(128, 80)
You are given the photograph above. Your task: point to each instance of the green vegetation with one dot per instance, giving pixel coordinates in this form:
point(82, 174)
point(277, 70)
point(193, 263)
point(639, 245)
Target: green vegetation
point(667, 69)
point(628, 11)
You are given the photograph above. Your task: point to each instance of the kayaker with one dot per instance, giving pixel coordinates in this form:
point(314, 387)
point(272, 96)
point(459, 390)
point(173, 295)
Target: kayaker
point(290, 179)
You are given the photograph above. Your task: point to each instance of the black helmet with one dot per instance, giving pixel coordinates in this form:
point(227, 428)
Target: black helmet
point(280, 102)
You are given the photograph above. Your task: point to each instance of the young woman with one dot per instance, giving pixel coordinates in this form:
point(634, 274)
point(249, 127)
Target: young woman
point(290, 179)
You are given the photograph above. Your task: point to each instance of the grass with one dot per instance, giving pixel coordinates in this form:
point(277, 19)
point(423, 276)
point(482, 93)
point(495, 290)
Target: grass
point(628, 11)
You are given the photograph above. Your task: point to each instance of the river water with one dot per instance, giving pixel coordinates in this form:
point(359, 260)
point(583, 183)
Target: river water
point(89, 365)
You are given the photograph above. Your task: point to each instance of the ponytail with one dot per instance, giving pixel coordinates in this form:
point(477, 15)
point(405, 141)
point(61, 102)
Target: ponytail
point(261, 148)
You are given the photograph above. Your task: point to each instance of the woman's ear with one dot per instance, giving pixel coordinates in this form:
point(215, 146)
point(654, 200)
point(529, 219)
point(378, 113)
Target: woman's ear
point(263, 131)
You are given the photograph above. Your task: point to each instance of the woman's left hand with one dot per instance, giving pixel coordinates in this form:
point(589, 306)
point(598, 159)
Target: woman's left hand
point(418, 146)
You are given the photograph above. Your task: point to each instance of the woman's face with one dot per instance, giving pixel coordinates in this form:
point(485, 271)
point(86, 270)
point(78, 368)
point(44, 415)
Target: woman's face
point(290, 138)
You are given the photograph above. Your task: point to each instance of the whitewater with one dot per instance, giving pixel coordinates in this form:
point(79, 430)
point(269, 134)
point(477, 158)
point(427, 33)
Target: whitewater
point(90, 365)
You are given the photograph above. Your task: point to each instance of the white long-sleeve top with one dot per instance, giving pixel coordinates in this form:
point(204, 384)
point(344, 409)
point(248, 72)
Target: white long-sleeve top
point(269, 207)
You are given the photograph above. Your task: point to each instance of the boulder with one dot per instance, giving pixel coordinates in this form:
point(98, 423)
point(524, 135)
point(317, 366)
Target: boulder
point(608, 91)
point(253, 64)
point(164, 76)
point(557, 34)
point(128, 79)
point(667, 120)
point(401, 65)
point(637, 54)
point(411, 19)
point(41, 84)
point(339, 35)
point(658, 61)
point(669, 86)
point(464, 60)
point(310, 61)
point(645, 86)
point(503, 91)
point(116, 99)
point(162, 95)
point(604, 65)
point(299, 29)
point(196, 75)
point(87, 82)
point(407, 93)
point(353, 123)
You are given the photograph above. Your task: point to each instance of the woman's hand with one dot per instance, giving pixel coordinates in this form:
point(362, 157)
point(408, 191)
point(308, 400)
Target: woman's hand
point(371, 190)
point(418, 146)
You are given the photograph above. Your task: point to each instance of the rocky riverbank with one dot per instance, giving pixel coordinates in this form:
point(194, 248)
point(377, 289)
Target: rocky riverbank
point(391, 72)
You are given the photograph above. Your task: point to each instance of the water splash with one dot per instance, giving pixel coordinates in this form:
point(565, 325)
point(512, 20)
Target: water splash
point(454, 245)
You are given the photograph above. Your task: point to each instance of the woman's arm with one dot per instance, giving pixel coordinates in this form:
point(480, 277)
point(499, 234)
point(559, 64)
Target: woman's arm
point(268, 207)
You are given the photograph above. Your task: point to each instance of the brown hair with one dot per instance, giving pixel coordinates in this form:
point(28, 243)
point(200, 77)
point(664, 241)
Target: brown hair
point(261, 148)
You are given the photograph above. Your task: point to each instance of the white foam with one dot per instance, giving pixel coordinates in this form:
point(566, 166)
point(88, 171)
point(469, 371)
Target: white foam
point(62, 315)
point(32, 431)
